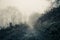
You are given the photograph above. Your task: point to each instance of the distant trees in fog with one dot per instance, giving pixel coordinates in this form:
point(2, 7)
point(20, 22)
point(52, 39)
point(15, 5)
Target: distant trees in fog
point(10, 14)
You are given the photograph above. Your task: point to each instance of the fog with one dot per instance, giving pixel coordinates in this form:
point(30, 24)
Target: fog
point(21, 11)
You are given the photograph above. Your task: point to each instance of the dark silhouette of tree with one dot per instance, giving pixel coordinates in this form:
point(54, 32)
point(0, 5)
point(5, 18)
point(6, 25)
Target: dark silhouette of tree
point(48, 25)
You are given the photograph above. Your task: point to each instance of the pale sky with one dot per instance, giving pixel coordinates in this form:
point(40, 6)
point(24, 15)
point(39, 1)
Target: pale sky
point(27, 6)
